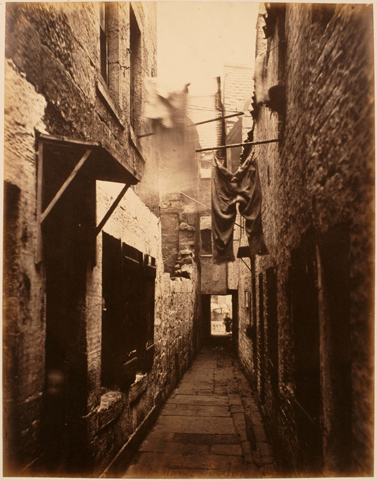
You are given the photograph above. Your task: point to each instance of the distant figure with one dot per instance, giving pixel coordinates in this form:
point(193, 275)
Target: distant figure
point(228, 323)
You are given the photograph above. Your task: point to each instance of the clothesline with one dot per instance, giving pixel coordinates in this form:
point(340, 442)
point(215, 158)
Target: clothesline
point(199, 123)
point(230, 146)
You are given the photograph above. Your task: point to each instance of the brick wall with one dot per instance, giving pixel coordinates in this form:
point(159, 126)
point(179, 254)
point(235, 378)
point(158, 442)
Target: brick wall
point(316, 183)
point(176, 311)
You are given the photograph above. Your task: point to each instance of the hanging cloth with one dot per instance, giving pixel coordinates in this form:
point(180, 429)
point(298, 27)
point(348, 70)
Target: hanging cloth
point(229, 190)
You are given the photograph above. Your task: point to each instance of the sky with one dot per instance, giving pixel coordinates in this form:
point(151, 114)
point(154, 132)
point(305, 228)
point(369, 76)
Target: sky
point(195, 39)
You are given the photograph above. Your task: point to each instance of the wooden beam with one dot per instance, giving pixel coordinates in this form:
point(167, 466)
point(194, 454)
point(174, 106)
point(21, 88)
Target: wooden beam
point(231, 146)
point(63, 141)
point(39, 248)
point(64, 187)
point(111, 210)
point(198, 123)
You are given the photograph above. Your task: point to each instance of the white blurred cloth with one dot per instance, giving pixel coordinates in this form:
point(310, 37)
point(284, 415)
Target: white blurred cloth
point(164, 103)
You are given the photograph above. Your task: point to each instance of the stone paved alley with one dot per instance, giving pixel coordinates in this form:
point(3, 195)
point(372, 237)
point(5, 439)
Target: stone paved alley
point(210, 426)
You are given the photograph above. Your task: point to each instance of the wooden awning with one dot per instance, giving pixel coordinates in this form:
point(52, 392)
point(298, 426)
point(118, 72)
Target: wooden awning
point(63, 158)
point(104, 162)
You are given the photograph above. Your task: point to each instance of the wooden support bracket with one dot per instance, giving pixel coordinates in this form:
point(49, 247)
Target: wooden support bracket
point(41, 216)
point(111, 210)
point(64, 187)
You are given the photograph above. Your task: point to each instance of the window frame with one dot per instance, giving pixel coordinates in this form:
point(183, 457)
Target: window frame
point(134, 283)
point(104, 41)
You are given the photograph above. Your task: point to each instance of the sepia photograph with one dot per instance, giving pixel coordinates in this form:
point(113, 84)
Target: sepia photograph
point(188, 239)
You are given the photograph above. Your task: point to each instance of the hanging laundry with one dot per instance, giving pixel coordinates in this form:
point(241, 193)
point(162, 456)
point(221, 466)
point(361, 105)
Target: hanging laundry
point(165, 104)
point(229, 190)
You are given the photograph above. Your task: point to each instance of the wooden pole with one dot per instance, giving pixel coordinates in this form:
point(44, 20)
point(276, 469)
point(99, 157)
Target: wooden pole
point(230, 146)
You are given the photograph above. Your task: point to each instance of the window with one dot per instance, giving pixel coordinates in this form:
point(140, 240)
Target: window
point(109, 82)
point(135, 71)
point(104, 44)
point(206, 237)
point(128, 278)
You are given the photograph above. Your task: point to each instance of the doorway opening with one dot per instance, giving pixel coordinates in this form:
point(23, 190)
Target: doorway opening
point(67, 248)
point(306, 331)
point(221, 316)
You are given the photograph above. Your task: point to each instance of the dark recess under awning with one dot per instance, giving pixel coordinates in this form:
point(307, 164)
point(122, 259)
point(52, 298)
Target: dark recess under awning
point(104, 162)
point(60, 159)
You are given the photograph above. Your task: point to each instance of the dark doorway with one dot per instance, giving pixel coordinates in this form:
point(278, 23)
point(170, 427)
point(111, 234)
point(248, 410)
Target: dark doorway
point(306, 333)
point(335, 277)
point(254, 318)
point(272, 331)
point(235, 326)
point(68, 245)
point(260, 336)
point(11, 289)
point(206, 316)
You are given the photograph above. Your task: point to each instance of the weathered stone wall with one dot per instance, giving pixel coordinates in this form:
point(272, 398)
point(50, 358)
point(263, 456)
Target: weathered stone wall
point(319, 179)
point(176, 311)
point(60, 58)
point(53, 85)
point(24, 317)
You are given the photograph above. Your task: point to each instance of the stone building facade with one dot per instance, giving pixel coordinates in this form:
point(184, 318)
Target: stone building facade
point(92, 347)
point(306, 320)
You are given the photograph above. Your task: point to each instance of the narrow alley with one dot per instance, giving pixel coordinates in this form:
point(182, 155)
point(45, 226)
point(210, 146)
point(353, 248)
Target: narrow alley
point(210, 427)
point(189, 244)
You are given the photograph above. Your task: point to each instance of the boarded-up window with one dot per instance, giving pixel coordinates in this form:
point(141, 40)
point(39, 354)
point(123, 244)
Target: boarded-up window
point(128, 313)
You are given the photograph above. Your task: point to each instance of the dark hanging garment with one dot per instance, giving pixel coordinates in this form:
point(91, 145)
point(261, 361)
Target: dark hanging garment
point(228, 190)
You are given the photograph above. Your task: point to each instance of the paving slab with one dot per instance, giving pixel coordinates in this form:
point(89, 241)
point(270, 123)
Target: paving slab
point(202, 429)
point(236, 471)
point(206, 438)
point(207, 399)
point(156, 446)
point(196, 410)
point(230, 449)
point(233, 472)
point(190, 424)
point(141, 471)
point(189, 461)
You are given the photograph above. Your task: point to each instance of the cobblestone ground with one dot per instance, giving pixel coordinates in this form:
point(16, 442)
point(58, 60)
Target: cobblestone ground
point(210, 427)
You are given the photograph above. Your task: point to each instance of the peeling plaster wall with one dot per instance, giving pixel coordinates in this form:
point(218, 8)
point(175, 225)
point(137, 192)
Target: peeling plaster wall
point(24, 316)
